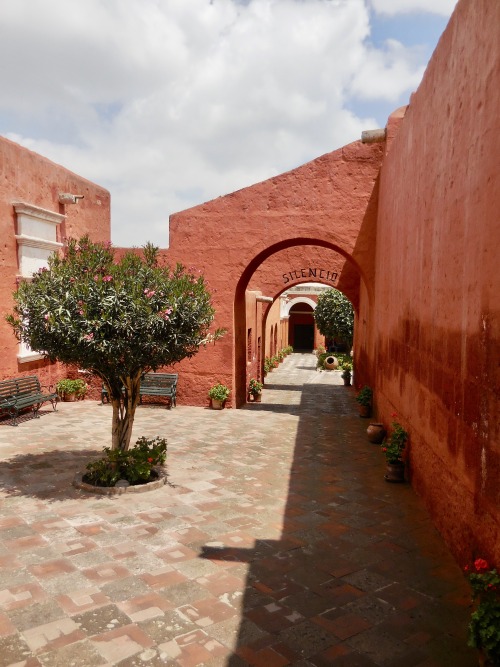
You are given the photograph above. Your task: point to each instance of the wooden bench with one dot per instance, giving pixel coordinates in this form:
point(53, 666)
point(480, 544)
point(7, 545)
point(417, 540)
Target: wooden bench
point(24, 392)
point(154, 384)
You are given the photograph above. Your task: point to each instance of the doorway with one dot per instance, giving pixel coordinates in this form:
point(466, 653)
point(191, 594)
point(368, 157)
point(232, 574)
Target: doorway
point(303, 337)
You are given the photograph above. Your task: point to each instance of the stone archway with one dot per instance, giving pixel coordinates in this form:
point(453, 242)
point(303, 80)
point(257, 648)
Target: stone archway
point(272, 286)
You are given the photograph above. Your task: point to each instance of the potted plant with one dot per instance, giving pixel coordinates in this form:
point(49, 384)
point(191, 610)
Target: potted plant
point(484, 626)
point(347, 373)
point(393, 448)
point(255, 390)
point(320, 350)
point(364, 399)
point(268, 365)
point(218, 395)
point(71, 390)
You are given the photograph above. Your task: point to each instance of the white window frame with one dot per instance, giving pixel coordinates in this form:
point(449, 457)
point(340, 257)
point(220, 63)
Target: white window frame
point(36, 240)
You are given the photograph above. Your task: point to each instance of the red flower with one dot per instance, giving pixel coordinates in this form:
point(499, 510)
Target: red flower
point(394, 415)
point(150, 460)
point(481, 565)
point(384, 449)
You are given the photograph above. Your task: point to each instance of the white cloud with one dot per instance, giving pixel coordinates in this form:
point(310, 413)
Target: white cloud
point(386, 72)
point(392, 7)
point(170, 103)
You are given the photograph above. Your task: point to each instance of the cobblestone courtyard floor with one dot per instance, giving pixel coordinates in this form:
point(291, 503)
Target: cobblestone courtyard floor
point(275, 542)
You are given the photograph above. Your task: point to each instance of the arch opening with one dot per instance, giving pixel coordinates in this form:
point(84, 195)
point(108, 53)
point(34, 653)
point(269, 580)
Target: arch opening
point(275, 290)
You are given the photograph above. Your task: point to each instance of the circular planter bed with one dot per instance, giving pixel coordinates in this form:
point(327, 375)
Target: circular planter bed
point(159, 479)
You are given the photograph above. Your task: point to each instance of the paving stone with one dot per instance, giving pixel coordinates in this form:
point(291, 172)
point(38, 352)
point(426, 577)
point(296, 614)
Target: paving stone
point(79, 654)
point(99, 620)
point(13, 649)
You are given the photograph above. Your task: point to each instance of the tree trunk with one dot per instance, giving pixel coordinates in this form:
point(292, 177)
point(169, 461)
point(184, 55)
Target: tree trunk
point(124, 405)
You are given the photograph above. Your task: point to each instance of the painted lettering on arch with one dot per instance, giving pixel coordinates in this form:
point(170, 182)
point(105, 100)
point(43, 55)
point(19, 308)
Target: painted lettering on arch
point(310, 273)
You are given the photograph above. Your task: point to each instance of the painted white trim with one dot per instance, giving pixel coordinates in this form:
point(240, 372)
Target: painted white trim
point(32, 211)
point(24, 357)
point(293, 302)
point(34, 242)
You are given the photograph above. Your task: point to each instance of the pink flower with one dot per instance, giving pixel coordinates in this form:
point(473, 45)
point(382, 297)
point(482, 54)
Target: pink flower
point(149, 292)
point(81, 312)
point(107, 279)
point(89, 336)
point(96, 278)
point(481, 565)
point(46, 316)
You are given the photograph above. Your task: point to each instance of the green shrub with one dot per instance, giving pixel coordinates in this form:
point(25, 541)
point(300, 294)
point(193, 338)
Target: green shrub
point(219, 392)
point(134, 465)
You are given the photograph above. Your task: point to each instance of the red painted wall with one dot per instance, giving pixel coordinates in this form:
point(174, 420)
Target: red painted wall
point(436, 315)
point(28, 177)
point(329, 204)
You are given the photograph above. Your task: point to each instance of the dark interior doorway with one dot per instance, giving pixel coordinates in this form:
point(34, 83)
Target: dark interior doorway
point(303, 337)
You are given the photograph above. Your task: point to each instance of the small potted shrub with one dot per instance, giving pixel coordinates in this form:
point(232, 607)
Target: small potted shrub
point(71, 390)
point(320, 350)
point(364, 399)
point(255, 390)
point(218, 395)
point(347, 373)
point(484, 626)
point(268, 365)
point(393, 448)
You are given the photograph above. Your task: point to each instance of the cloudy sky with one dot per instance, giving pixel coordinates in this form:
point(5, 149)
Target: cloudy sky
point(170, 103)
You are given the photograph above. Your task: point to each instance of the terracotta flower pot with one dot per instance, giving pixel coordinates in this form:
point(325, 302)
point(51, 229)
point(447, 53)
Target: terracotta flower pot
point(375, 433)
point(217, 405)
point(364, 410)
point(395, 472)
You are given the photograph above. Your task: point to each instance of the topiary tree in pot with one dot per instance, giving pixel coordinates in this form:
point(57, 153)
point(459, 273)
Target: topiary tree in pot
point(115, 319)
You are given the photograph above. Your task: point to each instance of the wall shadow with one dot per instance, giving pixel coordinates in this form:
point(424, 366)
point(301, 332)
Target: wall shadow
point(358, 569)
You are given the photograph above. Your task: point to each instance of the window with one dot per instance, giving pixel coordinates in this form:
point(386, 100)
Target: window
point(36, 240)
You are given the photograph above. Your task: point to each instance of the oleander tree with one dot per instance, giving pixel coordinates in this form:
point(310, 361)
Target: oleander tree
point(116, 319)
point(334, 316)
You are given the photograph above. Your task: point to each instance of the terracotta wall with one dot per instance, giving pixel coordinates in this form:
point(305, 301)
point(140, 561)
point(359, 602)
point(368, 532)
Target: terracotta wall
point(329, 203)
point(436, 316)
point(31, 178)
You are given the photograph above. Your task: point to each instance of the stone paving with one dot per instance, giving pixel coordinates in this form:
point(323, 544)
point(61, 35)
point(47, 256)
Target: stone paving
point(275, 542)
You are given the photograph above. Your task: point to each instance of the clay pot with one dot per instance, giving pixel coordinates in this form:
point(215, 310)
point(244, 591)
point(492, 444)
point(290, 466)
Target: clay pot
point(365, 410)
point(375, 433)
point(217, 405)
point(395, 472)
point(331, 363)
